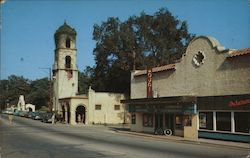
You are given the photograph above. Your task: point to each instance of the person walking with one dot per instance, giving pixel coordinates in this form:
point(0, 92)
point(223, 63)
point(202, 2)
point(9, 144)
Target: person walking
point(53, 118)
point(11, 119)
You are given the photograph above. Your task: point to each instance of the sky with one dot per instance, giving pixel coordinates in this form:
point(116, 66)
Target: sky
point(28, 27)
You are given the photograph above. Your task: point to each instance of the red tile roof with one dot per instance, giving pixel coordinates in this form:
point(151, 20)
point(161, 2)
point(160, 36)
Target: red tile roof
point(239, 52)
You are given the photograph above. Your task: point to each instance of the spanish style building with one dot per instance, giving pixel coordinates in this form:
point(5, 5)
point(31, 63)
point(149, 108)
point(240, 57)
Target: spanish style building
point(205, 94)
point(91, 108)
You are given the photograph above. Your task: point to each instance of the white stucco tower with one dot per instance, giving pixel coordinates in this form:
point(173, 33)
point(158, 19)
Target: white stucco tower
point(65, 73)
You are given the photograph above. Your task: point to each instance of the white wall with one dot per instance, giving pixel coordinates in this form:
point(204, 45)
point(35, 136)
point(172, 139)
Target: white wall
point(107, 114)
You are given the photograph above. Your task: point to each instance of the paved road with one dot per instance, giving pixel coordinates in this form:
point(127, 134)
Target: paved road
point(33, 139)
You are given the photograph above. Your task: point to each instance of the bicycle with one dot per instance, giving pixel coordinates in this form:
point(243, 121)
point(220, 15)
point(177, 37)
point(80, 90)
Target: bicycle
point(163, 131)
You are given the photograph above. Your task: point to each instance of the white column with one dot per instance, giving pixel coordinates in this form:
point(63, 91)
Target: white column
point(214, 121)
point(198, 121)
point(232, 122)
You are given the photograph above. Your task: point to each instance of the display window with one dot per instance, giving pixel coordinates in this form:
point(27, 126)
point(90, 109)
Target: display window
point(242, 122)
point(206, 120)
point(148, 120)
point(223, 121)
point(187, 120)
point(179, 121)
point(133, 118)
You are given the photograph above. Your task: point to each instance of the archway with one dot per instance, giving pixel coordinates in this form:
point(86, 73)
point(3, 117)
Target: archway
point(30, 109)
point(68, 113)
point(80, 116)
point(63, 113)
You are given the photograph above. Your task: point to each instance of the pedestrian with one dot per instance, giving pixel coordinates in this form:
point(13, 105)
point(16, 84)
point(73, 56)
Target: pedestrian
point(79, 118)
point(53, 118)
point(11, 119)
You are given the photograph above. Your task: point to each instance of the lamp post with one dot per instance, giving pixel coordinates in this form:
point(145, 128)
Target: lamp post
point(50, 87)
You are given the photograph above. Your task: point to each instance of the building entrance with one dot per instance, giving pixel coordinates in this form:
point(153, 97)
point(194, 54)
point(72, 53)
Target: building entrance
point(80, 114)
point(169, 121)
point(158, 121)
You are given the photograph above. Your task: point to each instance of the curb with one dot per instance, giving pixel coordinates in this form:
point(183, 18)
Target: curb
point(244, 146)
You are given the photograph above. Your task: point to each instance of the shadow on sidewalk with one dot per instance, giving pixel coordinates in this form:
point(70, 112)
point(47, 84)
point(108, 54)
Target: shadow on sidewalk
point(119, 128)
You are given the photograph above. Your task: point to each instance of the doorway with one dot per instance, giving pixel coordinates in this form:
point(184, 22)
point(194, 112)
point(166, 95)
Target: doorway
point(158, 120)
point(80, 114)
point(169, 121)
point(30, 109)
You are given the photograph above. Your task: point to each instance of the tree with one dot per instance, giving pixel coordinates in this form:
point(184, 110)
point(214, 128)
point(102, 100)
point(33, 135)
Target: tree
point(85, 80)
point(146, 40)
point(40, 93)
point(35, 92)
point(15, 87)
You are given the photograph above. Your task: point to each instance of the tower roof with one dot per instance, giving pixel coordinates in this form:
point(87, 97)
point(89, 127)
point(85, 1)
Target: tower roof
point(65, 28)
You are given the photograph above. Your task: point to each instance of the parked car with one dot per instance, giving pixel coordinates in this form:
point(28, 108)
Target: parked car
point(47, 118)
point(9, 112)
point(29, 114)
point(22, 113)
point(17, 113)
point(37, 115)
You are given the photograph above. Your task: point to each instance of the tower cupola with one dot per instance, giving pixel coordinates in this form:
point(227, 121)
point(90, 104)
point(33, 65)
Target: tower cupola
point(65, 37)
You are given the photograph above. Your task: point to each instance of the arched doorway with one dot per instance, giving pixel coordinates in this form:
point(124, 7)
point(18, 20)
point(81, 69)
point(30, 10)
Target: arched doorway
point(80, 114)
point(30, 109)
point(68, 112)
point(63, 113)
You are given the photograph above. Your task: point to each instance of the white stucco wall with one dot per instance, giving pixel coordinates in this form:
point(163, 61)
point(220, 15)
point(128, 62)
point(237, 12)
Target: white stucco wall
point(107, 114)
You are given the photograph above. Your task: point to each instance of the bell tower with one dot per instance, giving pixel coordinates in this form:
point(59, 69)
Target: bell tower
point(65, 73)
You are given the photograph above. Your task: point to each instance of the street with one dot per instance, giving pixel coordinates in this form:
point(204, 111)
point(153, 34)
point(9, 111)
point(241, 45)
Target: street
point(27, 138)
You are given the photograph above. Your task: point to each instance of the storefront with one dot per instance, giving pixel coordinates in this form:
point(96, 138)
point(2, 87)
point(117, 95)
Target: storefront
point(174, 113)
point(205, 94)
point(225, 117)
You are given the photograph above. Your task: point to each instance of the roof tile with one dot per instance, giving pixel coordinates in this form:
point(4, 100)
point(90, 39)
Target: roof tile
point(239, 52)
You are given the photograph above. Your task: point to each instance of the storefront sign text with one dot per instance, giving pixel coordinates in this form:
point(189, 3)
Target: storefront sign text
point(239, 103)
point(149, 83)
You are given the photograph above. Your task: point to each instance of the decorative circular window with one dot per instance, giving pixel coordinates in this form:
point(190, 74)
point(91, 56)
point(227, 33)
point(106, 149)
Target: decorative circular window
point(199, 58)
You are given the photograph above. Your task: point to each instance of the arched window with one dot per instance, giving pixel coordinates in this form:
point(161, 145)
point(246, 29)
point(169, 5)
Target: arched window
point(68, 62)
point(68, 43)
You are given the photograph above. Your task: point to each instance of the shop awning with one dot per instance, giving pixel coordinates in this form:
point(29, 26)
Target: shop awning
point(161, 100)
point(178, 104)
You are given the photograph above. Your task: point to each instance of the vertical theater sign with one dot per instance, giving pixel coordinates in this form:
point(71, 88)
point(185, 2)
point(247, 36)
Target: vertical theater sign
point(149, 83)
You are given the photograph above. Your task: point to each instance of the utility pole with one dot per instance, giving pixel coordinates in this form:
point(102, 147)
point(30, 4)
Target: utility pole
point(133, 60)
point(50, 87)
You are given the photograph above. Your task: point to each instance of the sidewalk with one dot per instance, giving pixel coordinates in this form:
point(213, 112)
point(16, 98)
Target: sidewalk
point(210, 142)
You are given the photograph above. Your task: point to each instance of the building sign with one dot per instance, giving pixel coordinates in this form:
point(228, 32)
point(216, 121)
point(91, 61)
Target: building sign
point(239, 103)
point(187, 109)
point(236, 102)
point(149, 83)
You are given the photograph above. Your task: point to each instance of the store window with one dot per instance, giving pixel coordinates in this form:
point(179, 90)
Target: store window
point(187, 120)
point(242, 122)
point(206, 120)
point(133, 119)
point(223, 121)
point(148, 120)
point(179, 121)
